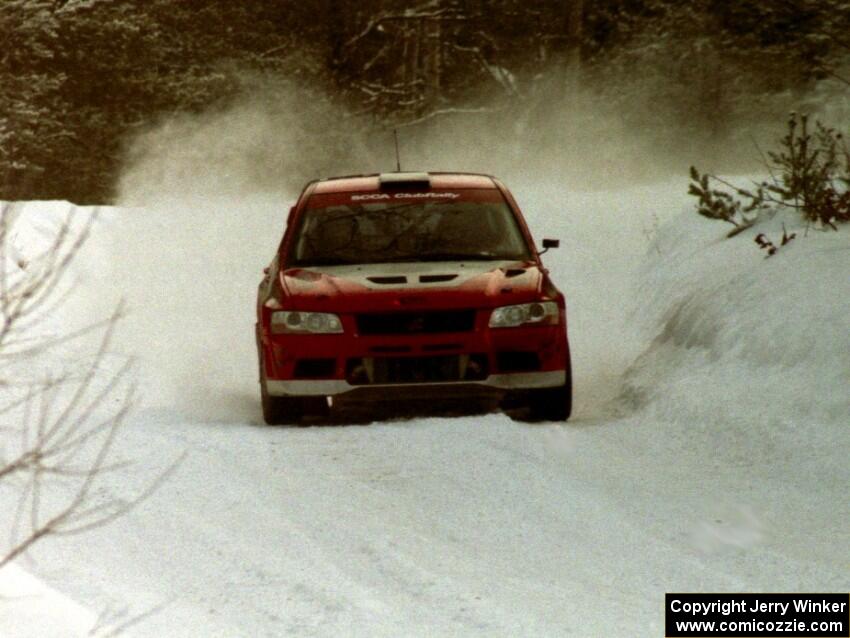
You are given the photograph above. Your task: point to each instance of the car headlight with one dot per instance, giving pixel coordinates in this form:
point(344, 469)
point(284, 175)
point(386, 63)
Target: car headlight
point(540, 312)
point(291, 321)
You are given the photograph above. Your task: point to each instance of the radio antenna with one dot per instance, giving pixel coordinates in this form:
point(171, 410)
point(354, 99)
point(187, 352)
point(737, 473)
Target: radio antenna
point(397, 156)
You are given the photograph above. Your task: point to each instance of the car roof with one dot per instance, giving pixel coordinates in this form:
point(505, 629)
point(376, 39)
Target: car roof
point(372, 182)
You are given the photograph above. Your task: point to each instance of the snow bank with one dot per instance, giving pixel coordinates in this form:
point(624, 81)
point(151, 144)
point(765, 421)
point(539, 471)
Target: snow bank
point(604, 237)
point(32, 231)
point(31, 609)
point(185, 269)
point(739, 336)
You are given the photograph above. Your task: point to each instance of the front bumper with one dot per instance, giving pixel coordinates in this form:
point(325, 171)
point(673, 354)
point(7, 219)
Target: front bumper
point(498, 382)
point(478, 361)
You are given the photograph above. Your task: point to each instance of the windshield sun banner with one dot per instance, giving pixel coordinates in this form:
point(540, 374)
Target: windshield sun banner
point(482, 195)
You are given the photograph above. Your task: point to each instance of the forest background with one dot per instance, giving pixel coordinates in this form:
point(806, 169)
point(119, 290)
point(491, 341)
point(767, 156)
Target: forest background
point(89, 86)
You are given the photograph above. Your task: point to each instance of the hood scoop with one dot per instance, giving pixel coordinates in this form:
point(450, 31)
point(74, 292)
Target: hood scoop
point(394, 279)
point(431, 279)
point(389, 280)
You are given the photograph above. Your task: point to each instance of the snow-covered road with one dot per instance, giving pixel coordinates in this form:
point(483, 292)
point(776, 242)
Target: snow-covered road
point(708, 451)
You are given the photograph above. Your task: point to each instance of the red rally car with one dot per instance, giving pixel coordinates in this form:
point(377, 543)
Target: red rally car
point(410, 285)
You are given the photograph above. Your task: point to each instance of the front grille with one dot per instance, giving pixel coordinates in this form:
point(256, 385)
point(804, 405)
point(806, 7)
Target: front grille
point(397, 323)
point(435, 369)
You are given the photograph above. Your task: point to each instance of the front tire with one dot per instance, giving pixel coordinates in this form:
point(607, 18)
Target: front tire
point(280, 410)
point(276, 410)
point(552, 404)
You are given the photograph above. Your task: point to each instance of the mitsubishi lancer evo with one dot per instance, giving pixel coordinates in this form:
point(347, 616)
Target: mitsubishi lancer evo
point(401, 286)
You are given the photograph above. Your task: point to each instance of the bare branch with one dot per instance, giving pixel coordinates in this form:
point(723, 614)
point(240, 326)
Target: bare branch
point(446, 111)
point(67, 426)
point(438, 14)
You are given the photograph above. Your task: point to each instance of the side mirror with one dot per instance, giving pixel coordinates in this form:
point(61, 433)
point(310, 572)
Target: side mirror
point(549, 243)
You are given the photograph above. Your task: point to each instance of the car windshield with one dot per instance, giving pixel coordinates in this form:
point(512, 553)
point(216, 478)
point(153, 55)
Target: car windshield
point(377, 232)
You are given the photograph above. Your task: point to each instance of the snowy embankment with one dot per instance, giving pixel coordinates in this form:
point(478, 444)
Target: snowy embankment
point(708, 451)
point(31, 609)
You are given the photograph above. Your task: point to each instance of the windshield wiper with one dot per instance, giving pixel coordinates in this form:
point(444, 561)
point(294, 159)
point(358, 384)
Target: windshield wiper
point(417, 257)
point(325, 261)
point(482, 256)
point(420, 257)
point(412, 259)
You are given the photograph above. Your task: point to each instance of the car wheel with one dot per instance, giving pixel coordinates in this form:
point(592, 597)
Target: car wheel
point(276, 410)
point(552, 404)
point(280, 410)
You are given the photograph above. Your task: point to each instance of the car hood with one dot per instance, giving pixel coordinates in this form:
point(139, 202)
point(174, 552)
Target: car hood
point(391, 286)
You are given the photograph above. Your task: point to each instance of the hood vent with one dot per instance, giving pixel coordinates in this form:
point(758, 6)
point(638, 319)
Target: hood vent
point(514, 272)
point(431, 279)
point(395, 279)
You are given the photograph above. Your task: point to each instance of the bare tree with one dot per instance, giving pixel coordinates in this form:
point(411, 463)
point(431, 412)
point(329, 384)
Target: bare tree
point(574, 38)
point(420, 62)
point(58, 427)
